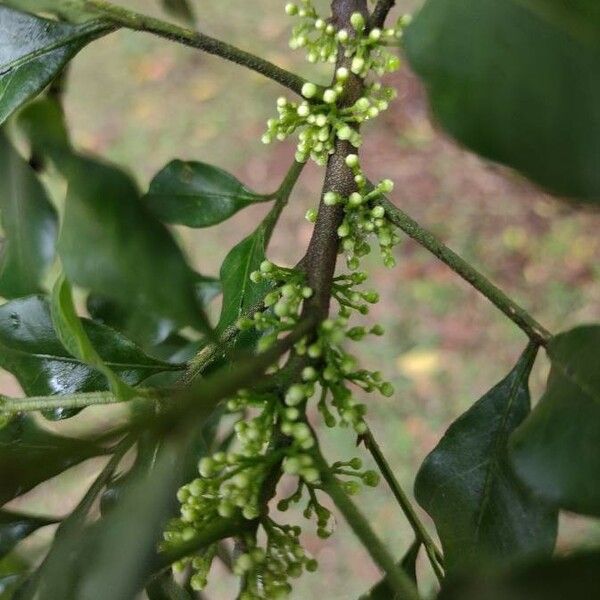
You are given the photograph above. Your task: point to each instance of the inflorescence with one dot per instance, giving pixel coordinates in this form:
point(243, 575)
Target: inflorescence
point(273, 437)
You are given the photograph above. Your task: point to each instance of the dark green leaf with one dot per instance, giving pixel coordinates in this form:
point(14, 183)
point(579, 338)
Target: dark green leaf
point(12, 572)
point(556, 451)
point(43, 124)
point(72, 335)
point(239, 293)
point(165, 587)
point(146, 329)
point(383, 590)
point(112, 245)
point(33, 52)
point(180, 9)
point(15, 527)
point(29, 224)
point(481, 512)
point(576, 577)
point(197, 195)
point(517, 82)
point(88, 566)
point(30, 455)
point(30, 350)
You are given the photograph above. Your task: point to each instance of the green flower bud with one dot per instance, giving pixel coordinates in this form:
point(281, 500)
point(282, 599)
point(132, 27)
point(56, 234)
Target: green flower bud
point(295, 395)
point(329, 96)
point(358, 21)
point(378, 212)
point(342, 36)
point(330, 198)
point(370, 478)
point(309, 374)
point(386, 186)
point(375, 34)
point(291, 9)
point(355, 463)
point(387, 389)
point(358, 64)
point(352, 161)
point(345, 132)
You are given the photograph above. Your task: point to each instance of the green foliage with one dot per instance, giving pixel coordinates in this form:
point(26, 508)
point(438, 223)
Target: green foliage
point(16, 526)
point(481, 511)
point(556, 450)
point(575, 576)
point(516, 81)
point(31, 455)
point(108, 235)
point(33, 52)
point(29, 224)
point(35, 355)
point(197, 195)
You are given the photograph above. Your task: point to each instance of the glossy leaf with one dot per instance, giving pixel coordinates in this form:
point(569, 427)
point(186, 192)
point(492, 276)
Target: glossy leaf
point(517, 82)
point(69, 329)
point(146, 329)
point(556, 451)
point(197, 195)
point(29, 224)
point(30, 455)
point(181, 9)
point(481, 511)
point(34, 51)
point(15, 527)
point(239, 293)
point(576, 576)
point(113, 246)
point(31, 350)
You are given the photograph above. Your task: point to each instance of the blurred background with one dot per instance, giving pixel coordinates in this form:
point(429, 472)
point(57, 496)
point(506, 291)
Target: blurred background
point(140, 101)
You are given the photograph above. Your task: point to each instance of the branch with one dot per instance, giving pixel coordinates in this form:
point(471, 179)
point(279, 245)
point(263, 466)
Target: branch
point(433, 553)
point(380, 12)
point(398, 579)
point(536, 332)
point(123, 17)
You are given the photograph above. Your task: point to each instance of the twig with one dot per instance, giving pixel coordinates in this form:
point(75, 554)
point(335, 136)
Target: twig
point(495, 295)
point(434, 554)
point(123, 17)
point(34, 403)
point(380, 12)
point(398, 579)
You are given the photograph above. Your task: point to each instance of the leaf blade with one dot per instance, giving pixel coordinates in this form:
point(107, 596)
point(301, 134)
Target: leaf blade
point(481, 512)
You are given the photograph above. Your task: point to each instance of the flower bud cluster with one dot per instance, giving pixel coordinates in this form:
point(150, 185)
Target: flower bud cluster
point(363, 217)
point(267, 571)
point(282, 304)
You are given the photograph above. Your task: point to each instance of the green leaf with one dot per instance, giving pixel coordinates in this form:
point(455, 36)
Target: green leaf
point(30, 455)
point(13, 570)
point(112, 245)
point(197, 195)
point(482, 513)
point(87, 567)
point(180, 9)
point(32, 352)
point(148, 330)
point(383, 590)
point(576, 576)
point(556, 451)
point(164, 587)
point(34, 51)
point(15, 527)
point(29, 223)
point(517, 82)
point(72, 335)
point(239, 293)
point(43, 124)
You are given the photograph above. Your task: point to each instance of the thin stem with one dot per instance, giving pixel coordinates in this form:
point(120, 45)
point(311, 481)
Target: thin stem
point(495, 295)
point(123, 17)
point(434, 554)
point(381, 11)
point(34, 403)
point(282, 196)
point(398, 579)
